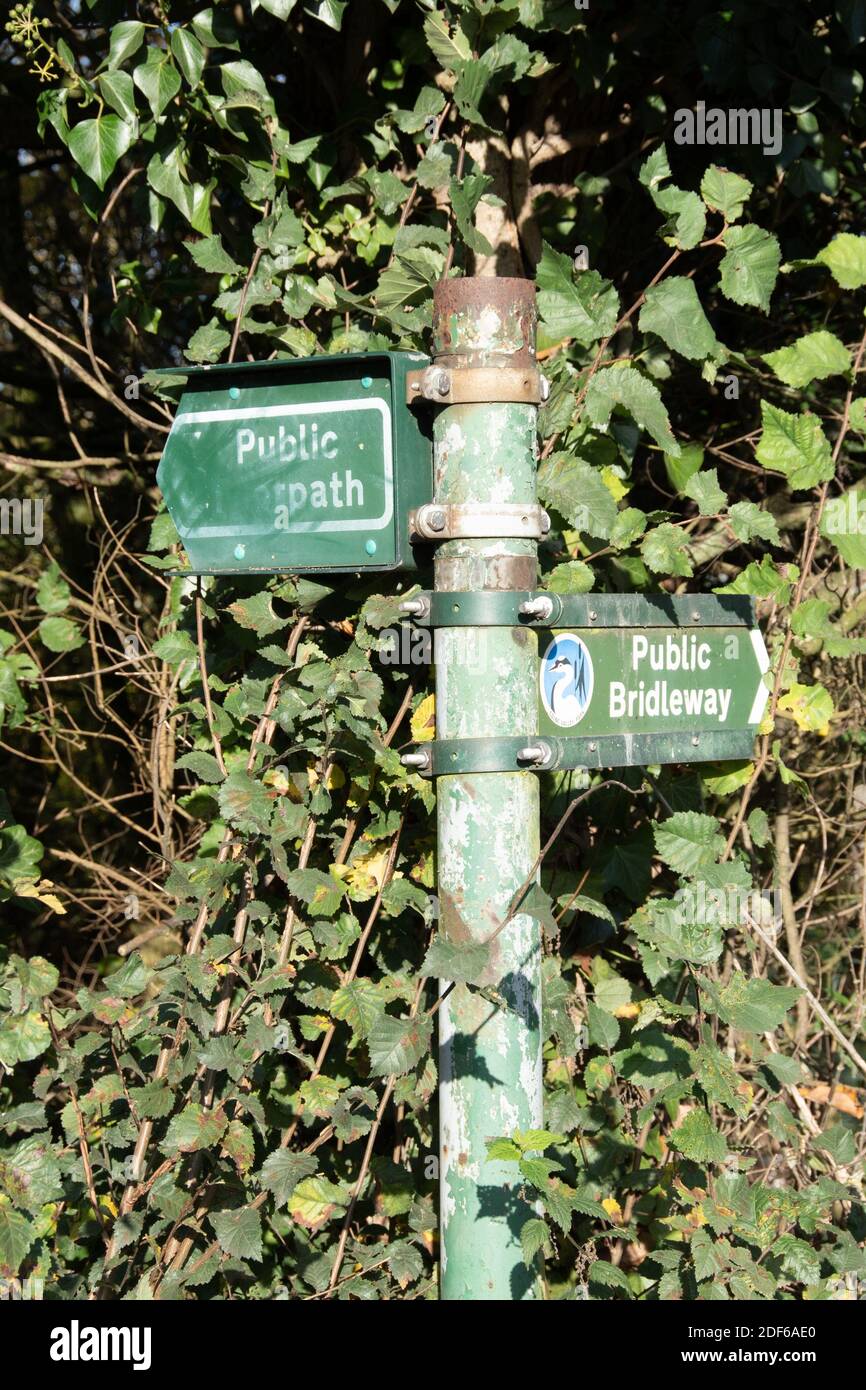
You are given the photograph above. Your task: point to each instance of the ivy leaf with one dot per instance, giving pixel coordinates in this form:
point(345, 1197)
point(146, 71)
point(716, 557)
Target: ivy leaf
point(725, 192)
point(750, 265)
point(126, 38)
point(845, 258)
point(396, 1045)
point(239, 1232)
point(282, 1171)
point(280, 9)
point(673, 311)
point(583, 307)
point(794, 445)
point(698, 1139)
point(664, 550)
point(97, 144)
point(811, 358)
point(159, 80)
point(189, 55)
point(625, 387)
point(118, 89)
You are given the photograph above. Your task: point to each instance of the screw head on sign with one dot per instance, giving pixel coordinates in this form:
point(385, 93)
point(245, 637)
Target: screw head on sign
point(436, 521)
point(443, 383)
point(419, 760)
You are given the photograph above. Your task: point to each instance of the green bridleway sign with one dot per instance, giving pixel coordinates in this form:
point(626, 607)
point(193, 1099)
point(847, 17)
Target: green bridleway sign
point(622, 680)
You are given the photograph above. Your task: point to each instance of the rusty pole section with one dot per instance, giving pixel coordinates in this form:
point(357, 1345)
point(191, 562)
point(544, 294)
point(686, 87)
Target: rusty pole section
point(488, 823)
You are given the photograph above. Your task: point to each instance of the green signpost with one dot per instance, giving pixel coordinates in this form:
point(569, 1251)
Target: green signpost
point(297, 466)
point(326, 465)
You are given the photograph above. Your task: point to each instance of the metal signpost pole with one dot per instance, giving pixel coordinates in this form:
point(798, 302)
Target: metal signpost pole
point(488, 824)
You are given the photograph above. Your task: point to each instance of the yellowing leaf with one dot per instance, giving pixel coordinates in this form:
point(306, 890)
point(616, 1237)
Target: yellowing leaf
point(41, 891)
point(364, 876)
point(279, 781)
point(810, 707)
point(614, 484)
point(336, 777)
point(613, 1208)
point(423, 722)
point(626, 1011)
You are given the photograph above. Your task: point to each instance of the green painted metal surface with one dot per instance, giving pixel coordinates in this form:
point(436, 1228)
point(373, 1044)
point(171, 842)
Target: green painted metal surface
point(297, 466)
point(488, 830)
point(501, 753)
point(500, 609)
point(656, 681)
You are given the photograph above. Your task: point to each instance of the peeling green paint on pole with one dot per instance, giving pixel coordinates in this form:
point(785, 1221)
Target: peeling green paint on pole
point(488, 823)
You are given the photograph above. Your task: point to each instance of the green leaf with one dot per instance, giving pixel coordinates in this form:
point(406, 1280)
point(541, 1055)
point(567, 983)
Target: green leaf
point(698, 1139)
point(280, 9)
point(845, 258)
point(17, 1234)
point(159, 80)
point(603, 1028)
point(208, 343)
point(571, 577)
point(204, 765)
point(98, 144)
point(359, 1003)
point(794, 445)
point(687, 218)
point(257, 613)
point(572, 487)
point(468, 961)
point(725, 192)
point(811, 358)
point(282, 1171)
point(749, 522)
point(611, 991)
point(450, 47)
point(245, 803)
point(673, 311)
point(626, 388)
point(583, 307)
point(534, 1236)
point(750, 265)
point(752, 1005)
point(465, 195)
point(194, 1128)
point(798, 1258)
point(502, 1150)
point(680, 467)
point(209, 254)
point(704, 488)
point(126, 38)
point(60, 635)
point(52, 591)
point(118, 89)
point(688, 841)
point(396, 1045)
point(189, 55)
point(536, 1140)
point(239, 1232)
point(664, 550)
point(844, 524)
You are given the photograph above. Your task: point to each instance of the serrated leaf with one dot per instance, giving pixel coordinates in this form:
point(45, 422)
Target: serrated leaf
point(194, 1128)
point(245, 803)
point(845, 258)
point(663, 550)
point(313, 1201)
point(577, 491)
point(534, 1236)
point(673, 311)
point(811, 358)
point(396, 1045)
point(282, 1171)
point(239, 1232)
point(698, 1139)
point(704, 488)
point(580, 306)
point(17, 1234)
point(626, 388)
point(794, 445)
point(688, 841)
point(752, 1006)
point(468, 961)
point(750, 266)
point(725, 192)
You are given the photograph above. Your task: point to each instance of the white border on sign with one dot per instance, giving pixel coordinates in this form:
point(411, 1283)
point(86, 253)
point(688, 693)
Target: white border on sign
point(257, 412)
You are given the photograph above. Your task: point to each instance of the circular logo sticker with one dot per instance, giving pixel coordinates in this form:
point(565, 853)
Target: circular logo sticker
point(566, 680)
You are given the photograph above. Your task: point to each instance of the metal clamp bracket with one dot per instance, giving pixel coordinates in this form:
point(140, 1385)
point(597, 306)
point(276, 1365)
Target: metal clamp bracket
point(536, 608)
point(532, 753)
point(477, 385)
point(444, 521)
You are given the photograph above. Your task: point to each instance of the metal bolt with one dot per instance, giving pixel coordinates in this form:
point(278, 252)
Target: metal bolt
point(592, 615)
point(436, 521)
point(593, 748)
point(545, 388)
point(696, 617)
point(695, 742)
point(415, 607)
point(533, 753)
point(443, 383)
point(540, 607)
point(419, 760)
point(545, 523)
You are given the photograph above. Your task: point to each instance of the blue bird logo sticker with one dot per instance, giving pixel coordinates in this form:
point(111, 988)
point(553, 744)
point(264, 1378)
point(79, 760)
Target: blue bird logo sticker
point(566, 680)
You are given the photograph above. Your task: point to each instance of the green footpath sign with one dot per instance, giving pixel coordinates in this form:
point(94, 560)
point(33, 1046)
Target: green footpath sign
point(304, 465)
